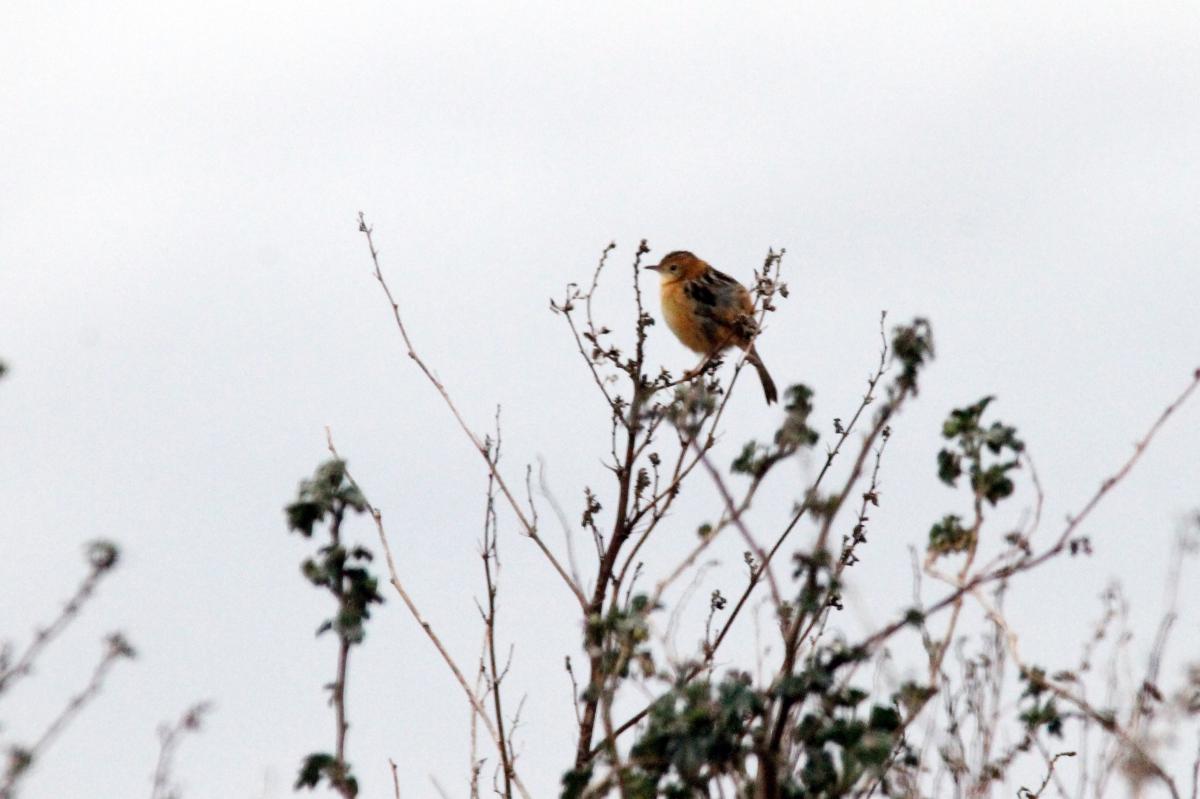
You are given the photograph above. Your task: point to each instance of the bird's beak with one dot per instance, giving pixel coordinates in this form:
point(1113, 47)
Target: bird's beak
point(654, 267)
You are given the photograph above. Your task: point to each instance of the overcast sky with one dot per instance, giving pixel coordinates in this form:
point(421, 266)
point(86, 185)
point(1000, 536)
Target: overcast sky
point(185, 303)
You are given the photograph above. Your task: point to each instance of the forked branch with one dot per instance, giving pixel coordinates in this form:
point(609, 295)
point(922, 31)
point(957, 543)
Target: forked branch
point(527, 525)
point(394, 578)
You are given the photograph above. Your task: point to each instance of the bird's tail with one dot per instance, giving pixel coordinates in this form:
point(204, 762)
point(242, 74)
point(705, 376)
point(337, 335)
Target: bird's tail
point(764, 376)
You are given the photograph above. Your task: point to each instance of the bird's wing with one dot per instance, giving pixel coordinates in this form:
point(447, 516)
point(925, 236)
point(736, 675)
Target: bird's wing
point(717, 277)
point(703, 293)
point(734, 293)
point(729, 298)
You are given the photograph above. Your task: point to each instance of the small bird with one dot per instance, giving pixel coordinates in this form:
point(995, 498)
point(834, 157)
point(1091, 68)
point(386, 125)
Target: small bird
point(709, 312)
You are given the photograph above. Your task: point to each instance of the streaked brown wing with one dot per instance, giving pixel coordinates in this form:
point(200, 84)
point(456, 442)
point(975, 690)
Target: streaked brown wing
point(703, 292)
point(717, 277)
point(733, 297)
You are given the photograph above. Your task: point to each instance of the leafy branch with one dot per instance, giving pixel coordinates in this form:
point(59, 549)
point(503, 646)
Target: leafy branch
point(342, 572)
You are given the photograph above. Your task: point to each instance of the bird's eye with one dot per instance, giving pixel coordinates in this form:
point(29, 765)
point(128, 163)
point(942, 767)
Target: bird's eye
point(674, 268)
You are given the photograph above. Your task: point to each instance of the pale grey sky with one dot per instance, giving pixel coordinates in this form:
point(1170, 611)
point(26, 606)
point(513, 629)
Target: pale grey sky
point(185, 302)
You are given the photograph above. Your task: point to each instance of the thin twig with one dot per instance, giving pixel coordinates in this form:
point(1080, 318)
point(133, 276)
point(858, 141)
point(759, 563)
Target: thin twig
point(527, 525)
point(102, 557)
point(735, 517)
point(342, 726)
point(491, 555)
point(21, 759)
point(394, 579)
point(1106, 721)
point(593, 334)
point(1051, 774)
point(574, 690)
point(474, 761)
point(868, 398)
point(437, 786)
point(170, 736)
point(1025, 793)
point(1073, 523)
point(548, 495)
point(1196, 770)
point(395, 779)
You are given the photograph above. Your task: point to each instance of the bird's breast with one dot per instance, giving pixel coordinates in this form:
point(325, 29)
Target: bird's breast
point(681, 317)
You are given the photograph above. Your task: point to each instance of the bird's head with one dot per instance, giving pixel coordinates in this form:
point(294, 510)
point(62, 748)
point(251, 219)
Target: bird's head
point(678, 265)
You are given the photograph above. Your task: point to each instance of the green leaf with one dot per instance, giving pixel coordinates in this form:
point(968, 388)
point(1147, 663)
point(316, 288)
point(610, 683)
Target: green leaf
point(949, 536)
point(303, 515)
point(912, 346)
point(747, 461)
point(949, 467)
point(574, 782)
point(313, 768)
point(883, 718)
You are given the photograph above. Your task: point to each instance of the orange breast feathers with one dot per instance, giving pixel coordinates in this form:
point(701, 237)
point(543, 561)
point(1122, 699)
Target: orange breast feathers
point(704, 314)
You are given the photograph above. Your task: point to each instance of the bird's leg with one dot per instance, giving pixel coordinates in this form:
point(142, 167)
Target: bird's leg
point(698, 370)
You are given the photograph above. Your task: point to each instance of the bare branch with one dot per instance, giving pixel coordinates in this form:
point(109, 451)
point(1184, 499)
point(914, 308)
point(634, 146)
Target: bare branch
point(491, 571)
point(170, 736)
point(528, 526)
point(472, 699)
point(1025, 793)
point(21, 759)
point(735, 517)
point(102, 556)
point(1073, 523)
point(544, 490)
point(868, 398)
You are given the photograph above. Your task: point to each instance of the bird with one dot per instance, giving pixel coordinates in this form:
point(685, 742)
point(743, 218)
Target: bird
point(709, 312)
